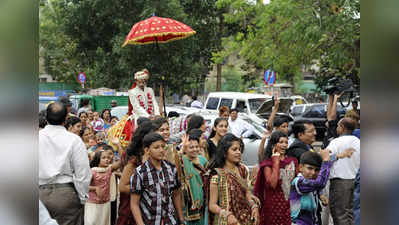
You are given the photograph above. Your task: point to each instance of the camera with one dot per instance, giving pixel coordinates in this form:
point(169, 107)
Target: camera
point(338, 85)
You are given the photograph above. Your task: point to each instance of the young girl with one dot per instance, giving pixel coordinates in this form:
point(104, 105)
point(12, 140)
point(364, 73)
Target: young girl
point(273, 181)
point(230, 200)
point(83, 119)
point(97, 208)
point(161, 126)
point(73, 124)
point(218, 131)
point(106, 116)
point(97, 123)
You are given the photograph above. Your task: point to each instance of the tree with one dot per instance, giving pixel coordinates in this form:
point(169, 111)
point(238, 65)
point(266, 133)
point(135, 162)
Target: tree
point(87, 35)
point(286, 35)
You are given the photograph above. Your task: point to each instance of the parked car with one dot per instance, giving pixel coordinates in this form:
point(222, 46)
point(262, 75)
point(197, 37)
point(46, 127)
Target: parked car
point(316, 113)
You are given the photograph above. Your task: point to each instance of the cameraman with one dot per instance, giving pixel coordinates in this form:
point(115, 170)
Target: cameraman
point(332, 120)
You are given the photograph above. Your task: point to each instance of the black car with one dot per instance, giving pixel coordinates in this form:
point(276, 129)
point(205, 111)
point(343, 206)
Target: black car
point(316, 113)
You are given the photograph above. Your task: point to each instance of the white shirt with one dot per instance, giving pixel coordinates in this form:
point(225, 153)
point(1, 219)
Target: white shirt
point(135, 94)
point(196, 104)
point(240, 128)
point(63, 159)
point(345, 168)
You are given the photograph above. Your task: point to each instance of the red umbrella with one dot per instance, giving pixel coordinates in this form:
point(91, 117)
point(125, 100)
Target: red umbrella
point(158, 30)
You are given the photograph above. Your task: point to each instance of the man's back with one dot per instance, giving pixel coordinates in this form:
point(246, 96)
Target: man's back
point(63, 158)
point(345, 168)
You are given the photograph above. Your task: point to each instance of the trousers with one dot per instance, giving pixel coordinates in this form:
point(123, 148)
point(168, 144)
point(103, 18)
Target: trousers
point(341, 201)
point(63, 204)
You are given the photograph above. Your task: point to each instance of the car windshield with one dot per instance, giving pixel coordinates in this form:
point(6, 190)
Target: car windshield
point(255, 103)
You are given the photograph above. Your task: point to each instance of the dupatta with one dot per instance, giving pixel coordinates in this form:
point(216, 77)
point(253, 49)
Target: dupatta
point(193, 190)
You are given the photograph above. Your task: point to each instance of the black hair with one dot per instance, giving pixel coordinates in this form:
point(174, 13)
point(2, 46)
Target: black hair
point(354, 102)
point(151, 138)
point(219, 159)
point(42, 121)
point(71, 121)
point(114, 117)
point(194, 97)
point(82, 131)
point(311, 158)
point(195, 134)
point(64, 100)
point(82, 112)
point(102, 114)
point(135, 148)
point(234, 110)
point(196, 121)
point(349, 124)
point(95, 162)
point(84, 102)
point(173, 114)
point(106, 147)
point(159, 122)
point(217, 121)
point(274, 139)
point(56, 113)
point(279, 121)
point(299, 127)
point(141, 120)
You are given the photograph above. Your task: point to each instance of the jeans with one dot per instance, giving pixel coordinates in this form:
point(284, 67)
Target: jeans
point(341, 201)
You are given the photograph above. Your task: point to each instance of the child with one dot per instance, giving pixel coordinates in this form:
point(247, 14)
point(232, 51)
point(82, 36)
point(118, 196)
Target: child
point(97, 123)
point(100, 137)
point(113, 183)
point(97, 208)
point(155, 195)
point(306, 187)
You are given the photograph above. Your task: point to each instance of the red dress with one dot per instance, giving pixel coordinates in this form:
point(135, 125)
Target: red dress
point(272, 188)
point(125, 216)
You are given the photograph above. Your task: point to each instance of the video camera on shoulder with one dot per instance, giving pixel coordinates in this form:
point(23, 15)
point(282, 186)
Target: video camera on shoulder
point(338, 85)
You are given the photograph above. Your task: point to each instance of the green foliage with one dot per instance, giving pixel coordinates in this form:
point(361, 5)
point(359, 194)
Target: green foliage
point(286, 35)
point(87, 36)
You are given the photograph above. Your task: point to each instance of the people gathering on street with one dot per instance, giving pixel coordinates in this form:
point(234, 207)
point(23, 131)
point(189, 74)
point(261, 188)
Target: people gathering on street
point(97, 169)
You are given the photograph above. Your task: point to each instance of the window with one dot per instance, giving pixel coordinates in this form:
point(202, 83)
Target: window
point(297, 110)
point(226, 102)
point(318, 111)
point(255, 103)
point(241, 106)
point(212, 103)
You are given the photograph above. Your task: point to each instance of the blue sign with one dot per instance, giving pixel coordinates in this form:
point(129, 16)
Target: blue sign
point(82, 78)
point(270, 77)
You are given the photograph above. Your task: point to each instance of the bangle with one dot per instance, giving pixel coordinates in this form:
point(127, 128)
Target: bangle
point(276, 154)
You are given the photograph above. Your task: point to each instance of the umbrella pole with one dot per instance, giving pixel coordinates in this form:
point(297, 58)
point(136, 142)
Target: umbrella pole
point(163, 80)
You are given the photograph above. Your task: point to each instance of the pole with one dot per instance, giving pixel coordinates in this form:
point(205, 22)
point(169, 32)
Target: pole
point(163, 80)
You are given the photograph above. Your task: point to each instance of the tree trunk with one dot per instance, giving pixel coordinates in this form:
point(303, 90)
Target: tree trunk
point(219, 77)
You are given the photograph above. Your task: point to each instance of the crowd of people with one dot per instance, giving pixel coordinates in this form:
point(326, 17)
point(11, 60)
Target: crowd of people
point(92, 172)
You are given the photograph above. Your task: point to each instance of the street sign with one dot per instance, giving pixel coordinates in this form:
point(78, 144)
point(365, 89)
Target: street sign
point(82, 79)
point(270, 77)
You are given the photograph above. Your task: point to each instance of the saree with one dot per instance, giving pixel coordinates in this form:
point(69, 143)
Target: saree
point(232, 196)
point(195, 208)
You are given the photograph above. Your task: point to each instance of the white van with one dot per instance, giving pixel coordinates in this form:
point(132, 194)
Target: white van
point(244, 102)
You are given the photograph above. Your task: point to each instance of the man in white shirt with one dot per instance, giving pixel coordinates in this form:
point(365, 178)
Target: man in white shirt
point(196, 104)
point(343, 173)
point(64, 171)
point(239, 127)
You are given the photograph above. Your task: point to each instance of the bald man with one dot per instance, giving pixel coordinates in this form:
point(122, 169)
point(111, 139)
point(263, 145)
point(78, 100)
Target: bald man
point(343, 172)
